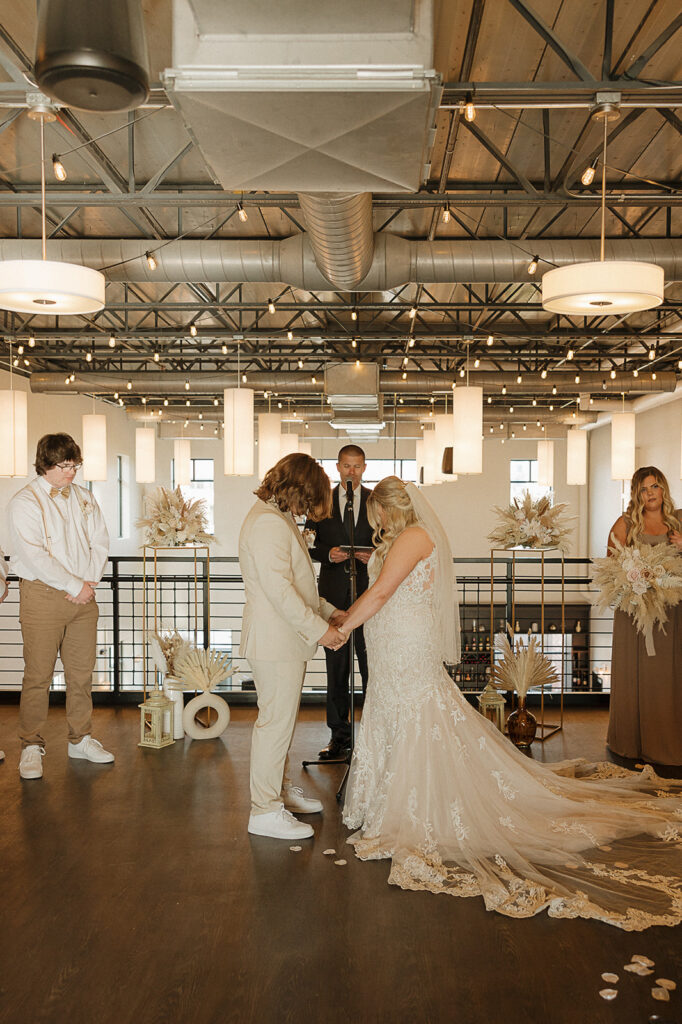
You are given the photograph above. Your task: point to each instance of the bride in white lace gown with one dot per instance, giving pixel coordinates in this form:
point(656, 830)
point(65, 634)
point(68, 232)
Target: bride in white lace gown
point(440, 791)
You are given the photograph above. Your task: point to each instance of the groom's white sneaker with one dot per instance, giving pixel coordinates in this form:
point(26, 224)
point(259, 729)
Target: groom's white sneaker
point(294, 800)
point(279, 825)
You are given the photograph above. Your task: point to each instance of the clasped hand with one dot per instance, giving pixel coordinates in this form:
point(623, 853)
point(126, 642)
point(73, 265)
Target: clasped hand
point(87, 593)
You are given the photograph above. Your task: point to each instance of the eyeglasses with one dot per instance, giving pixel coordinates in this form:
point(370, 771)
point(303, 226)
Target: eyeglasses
point(66, 467)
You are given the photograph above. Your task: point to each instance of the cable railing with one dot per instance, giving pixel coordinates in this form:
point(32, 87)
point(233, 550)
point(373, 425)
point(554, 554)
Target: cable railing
point(574, 637)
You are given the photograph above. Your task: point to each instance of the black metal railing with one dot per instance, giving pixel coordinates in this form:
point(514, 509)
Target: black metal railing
point(584, 645)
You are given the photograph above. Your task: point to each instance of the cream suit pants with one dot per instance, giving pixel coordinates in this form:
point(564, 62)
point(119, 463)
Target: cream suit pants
point(278, 687)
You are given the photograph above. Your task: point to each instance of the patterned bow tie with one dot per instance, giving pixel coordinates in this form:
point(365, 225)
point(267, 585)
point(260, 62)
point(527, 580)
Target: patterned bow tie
point(64, 491)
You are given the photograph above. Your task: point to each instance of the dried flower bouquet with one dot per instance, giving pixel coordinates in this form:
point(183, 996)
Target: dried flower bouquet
point(531, 524)
point(642, 580)
point(174, 521)
point(522, 664)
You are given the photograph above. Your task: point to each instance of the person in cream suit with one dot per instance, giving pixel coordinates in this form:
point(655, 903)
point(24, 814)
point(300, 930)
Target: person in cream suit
point(284, 621)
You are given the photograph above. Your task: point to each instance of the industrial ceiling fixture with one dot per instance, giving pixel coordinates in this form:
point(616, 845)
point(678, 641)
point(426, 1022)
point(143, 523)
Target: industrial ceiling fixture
point(92, 57)
point(49, 287)
point(603, 286)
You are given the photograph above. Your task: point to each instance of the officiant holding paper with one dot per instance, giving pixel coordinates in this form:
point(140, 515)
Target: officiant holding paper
point(331, 537)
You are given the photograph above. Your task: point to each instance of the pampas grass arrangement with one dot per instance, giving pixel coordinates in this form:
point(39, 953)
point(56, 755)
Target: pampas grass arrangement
point(203, 670)
point(532, 524)
point(174, 521)
point(522, 665)
point(642, 580)
point(167, 648)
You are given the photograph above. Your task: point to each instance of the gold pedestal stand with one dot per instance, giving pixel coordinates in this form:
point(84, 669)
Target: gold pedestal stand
point(545, 729)
point(150, 553)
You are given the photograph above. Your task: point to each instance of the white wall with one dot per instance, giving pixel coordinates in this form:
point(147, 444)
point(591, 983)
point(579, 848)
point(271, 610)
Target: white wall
point(51, 414)
point(658, 434)
point(466, 506)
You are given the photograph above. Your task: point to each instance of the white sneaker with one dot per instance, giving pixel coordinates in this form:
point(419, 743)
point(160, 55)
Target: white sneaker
point(90, 750)
point(31, 762)
point(279, 825)
point(294, 800)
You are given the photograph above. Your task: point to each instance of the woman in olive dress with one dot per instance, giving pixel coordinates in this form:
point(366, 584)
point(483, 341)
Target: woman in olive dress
point(645, 719)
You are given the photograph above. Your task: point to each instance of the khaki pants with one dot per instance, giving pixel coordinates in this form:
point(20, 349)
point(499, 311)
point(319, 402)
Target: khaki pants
point(278, 686)
point(52, 626)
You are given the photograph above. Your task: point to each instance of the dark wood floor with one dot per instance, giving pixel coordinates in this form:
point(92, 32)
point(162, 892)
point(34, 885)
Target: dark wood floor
point(132, 893)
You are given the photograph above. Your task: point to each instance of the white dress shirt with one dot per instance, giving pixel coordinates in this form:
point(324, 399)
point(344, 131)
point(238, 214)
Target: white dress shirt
point(357, 497)
point(61, 541)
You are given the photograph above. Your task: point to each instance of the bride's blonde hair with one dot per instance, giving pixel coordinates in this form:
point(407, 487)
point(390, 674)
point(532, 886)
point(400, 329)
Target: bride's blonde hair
point(391, 496)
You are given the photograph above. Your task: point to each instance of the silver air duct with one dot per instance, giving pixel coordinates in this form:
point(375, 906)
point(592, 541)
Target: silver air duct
point(396, 261)
point(390, 381)
point(341, 235)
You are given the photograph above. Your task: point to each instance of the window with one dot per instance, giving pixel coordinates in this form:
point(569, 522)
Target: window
point(200, 486)
point(376, 470)
point(122, 497)
point(523, 476)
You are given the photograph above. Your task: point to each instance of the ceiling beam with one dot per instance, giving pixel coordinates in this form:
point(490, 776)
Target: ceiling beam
point(552, 40)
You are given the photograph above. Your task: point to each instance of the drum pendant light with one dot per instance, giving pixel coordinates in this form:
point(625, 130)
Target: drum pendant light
point(49, 287)
point(603, 286)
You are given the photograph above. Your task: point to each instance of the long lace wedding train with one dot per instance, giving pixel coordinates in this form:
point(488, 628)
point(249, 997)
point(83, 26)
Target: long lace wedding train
point(436, 788)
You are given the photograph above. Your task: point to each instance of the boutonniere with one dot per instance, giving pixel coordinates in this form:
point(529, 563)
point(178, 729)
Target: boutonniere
point(309, 538)
point(87, 507)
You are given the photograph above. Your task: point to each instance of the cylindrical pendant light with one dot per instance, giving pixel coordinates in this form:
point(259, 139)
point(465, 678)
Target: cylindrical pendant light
point(546, 463)
point(269, 430)
point(431, 460)
point(467, 440)
point(288, 444)
point(145, 455)
point(94, 446)
point(14, 433)
point(419, 458)
point(443, 440)
point(238, 436)
point(622, 445)
point(576, 457)
point(182, 456)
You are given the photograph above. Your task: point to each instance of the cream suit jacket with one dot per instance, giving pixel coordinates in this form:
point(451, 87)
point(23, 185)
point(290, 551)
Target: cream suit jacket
point(284, 616)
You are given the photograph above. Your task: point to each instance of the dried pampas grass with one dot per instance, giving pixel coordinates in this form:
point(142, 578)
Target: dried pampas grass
point(167, 648)
point(642, 580)
point(173, 521)
point(203, 670)
point(532, 524)
point(522, 665)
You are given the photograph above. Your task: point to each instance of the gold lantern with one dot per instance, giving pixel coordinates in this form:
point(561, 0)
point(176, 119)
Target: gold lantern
point(491, 706)
point(152, 712)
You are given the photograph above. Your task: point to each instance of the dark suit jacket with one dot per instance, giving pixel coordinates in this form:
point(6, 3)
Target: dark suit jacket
point(334, 581)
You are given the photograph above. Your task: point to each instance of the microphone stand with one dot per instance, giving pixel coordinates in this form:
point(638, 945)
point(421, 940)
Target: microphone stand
point(353, 571)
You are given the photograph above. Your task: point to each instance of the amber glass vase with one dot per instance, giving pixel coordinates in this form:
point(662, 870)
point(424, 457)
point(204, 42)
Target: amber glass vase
point(522, 725)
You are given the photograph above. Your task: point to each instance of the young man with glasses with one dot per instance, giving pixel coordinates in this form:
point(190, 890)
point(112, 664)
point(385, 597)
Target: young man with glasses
point(59, 546)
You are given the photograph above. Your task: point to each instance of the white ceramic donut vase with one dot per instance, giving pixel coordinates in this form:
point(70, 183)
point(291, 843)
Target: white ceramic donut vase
point(197, 704)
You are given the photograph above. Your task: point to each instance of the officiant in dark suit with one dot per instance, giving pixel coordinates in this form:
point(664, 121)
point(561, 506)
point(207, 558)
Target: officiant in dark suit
point(334, 585)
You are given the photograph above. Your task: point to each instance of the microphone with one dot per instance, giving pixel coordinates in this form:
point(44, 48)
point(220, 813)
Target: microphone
point(349, 491)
